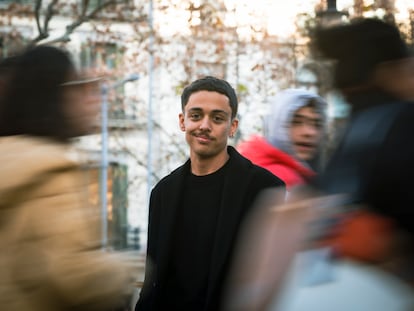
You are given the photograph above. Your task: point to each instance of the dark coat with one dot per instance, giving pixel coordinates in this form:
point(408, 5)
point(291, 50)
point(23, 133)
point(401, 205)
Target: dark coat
point(243, 182)
point(375, 160)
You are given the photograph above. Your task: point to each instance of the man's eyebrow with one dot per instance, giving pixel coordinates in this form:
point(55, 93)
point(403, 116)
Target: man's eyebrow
point(215, 111)
point(220, 111)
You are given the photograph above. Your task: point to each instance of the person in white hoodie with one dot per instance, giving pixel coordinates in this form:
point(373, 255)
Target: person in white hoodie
point(294, 130)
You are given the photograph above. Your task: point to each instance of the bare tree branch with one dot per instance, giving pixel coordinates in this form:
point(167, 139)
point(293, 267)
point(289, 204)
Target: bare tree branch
point(134, 156)
point(179, 147)
point(48, 16)
point(84, 8)
point(83, 18)
point(43, 31)
point(103, 6)
point(38, 6)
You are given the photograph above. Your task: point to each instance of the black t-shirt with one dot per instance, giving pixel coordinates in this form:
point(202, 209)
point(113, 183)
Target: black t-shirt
point(194, 238)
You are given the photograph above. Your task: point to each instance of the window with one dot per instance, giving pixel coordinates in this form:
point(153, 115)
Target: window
point(117, 201)
point(99, 54)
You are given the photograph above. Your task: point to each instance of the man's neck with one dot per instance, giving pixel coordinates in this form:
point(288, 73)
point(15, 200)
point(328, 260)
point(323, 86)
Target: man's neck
point(203, 166)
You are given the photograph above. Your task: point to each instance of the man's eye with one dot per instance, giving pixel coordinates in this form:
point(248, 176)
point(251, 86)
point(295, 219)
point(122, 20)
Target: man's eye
point(195, 116)
point(218, 119)
point(297, 122)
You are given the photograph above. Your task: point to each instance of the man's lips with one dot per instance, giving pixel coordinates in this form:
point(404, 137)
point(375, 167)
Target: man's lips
point(305, 145)
point(203, 138)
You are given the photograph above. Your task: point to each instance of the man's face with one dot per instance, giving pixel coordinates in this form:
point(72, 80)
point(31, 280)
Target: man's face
point(306, 131)
point(207, 123)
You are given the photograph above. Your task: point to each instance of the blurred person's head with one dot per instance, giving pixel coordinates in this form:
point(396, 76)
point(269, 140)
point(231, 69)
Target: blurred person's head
point(359, 49)
point(46, 97)
point(296, 123)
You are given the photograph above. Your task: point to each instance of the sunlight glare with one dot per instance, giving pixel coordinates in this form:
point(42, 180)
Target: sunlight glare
point(276, 16)
point(403, 9)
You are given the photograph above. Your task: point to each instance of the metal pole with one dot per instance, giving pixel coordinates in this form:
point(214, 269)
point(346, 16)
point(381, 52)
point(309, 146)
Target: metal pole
point(104, 165)
point(104, 154)
point(150, 94)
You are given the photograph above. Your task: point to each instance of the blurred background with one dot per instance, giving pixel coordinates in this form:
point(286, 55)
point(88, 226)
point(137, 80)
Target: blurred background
point(147, 51)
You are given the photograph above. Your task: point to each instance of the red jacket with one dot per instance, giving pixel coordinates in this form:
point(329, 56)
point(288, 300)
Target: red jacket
point(281, 164)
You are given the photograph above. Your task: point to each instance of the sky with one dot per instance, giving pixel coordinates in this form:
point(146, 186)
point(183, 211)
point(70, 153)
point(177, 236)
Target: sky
point(277, 15)
point(280, 15)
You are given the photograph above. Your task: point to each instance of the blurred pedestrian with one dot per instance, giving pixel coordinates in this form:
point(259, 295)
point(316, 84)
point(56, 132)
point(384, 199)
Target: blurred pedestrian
point(368, 57)
point(293, 134)
point(196, 211)
point(50, 256)
point(370, 171)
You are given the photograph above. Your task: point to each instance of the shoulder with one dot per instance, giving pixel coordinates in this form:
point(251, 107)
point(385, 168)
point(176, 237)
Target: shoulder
point(257, 173)
point(37, 151)
point(30, 158)
point(173, 177)
point(265, 175)
point(40, 174)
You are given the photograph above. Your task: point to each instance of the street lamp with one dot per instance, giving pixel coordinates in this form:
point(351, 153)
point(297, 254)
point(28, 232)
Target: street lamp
point(104, 152)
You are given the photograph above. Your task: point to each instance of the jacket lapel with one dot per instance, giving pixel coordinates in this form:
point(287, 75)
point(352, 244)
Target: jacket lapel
point(170, 205)
point(231, 209)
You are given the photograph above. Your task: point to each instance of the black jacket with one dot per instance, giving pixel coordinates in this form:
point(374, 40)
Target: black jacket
point(243, 182)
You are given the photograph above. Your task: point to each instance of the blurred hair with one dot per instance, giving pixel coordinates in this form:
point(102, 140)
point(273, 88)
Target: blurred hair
point(33, 102)
point(211, 84)
point(358, 47)
point(7, 66)
point(314, 104)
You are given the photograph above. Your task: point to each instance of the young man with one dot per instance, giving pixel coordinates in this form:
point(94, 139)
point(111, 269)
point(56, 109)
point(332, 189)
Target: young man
point(293, 135)
point(196, 211)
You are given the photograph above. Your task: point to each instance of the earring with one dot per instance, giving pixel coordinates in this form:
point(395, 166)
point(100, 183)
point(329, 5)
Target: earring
point(231, 135)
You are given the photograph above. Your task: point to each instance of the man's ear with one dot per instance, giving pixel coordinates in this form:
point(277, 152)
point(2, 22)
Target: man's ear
point(234, 126)
point(181, 121)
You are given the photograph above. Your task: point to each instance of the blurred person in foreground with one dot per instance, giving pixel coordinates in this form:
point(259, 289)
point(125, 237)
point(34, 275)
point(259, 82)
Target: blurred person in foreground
point(195, 212)
point(50, 256)
point(371, 170)
point(293, 134)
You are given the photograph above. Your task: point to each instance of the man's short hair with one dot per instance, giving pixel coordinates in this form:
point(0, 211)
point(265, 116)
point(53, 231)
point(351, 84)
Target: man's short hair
point(211, 84)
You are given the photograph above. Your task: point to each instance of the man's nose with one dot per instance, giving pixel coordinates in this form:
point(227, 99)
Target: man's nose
point(310, 129)
point(205, 123)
